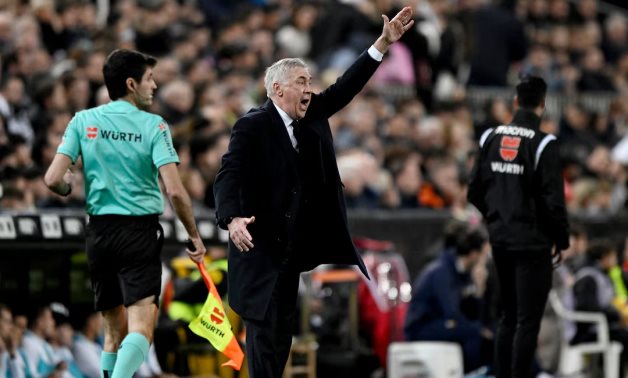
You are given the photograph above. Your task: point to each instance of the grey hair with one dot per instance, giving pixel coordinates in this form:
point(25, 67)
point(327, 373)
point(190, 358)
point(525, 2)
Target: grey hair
point(278, 72)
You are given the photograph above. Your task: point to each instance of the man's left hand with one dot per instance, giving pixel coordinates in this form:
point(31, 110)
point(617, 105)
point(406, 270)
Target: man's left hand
point(394, 29)
point(239, 234)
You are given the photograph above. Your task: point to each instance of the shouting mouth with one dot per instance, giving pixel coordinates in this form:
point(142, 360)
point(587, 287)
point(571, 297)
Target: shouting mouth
point(305, 103)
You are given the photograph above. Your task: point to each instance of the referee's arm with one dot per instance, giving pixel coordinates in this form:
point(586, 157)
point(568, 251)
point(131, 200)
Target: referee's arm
point(58, 177)
point(182, 206)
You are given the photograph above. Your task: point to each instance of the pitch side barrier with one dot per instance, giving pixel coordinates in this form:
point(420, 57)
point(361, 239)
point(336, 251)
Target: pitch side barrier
point(42, 254)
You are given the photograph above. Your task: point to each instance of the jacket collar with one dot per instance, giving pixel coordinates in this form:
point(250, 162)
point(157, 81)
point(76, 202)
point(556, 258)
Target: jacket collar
point(281, 134)
point(526, 118)
point(285, 118)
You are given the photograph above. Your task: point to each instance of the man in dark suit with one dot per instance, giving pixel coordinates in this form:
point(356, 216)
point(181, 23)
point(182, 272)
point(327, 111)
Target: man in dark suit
point(279, 194)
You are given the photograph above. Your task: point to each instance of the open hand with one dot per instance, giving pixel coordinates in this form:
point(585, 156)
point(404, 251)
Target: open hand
point(239, 235)
point(395, 28)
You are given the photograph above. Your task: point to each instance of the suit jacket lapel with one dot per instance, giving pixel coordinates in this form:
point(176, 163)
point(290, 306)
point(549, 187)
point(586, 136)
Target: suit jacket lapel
point(281, 134)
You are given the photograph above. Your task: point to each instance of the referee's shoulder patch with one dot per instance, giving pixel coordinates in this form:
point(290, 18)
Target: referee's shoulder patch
point(162, 125)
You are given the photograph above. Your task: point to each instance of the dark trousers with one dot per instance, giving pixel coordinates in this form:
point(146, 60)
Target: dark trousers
point(268, 341)
point(525, 279)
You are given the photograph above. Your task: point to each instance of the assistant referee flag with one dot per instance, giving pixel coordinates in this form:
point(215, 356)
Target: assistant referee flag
point(212, 323)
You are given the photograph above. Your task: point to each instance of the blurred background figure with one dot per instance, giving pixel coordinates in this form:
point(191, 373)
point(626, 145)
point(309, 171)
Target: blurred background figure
point(12, 363)
point(594, 291)
point(447, 296)
point(87, 345)
point(38, 352)
point(63, 340)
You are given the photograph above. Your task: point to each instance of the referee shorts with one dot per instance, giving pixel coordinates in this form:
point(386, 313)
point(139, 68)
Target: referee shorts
point(124, 258)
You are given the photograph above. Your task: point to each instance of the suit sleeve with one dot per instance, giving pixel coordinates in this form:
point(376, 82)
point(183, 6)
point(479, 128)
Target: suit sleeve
point(552, 195)
point(230, 177)
point(347, 86)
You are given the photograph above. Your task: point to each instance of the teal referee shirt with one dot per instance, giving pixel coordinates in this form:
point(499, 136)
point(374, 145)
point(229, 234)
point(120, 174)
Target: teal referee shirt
point(122, 149)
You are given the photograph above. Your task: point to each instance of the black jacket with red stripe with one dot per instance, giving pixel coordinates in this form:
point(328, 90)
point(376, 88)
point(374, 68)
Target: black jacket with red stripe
point(518, 186)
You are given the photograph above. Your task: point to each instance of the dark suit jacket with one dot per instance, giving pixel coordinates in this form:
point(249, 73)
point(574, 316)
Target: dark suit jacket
point(260, 176)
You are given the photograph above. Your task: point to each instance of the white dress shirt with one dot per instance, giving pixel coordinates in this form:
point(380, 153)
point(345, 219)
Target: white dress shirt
point(287, 121)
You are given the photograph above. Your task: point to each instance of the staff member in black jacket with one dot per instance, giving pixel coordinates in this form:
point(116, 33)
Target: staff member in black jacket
point(279, 194)
point(518, 187)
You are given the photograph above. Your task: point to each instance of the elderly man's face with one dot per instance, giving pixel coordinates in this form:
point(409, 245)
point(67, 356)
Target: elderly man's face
point(294, 95)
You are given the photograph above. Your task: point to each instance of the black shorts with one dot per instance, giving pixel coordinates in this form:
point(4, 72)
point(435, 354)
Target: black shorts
point(124, 258)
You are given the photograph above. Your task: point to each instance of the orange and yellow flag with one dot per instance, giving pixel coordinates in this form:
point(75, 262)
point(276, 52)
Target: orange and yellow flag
point(212, 323)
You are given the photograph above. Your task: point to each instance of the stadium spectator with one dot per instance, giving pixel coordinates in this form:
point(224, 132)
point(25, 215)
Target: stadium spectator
point(11, 360)
point(62, 340)
point(446, 300)
point(86, 347)
point(38, 352)
point(594, 292)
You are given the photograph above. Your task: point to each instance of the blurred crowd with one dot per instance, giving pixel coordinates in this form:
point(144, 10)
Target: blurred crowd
point(45, 341)
point(394, 151)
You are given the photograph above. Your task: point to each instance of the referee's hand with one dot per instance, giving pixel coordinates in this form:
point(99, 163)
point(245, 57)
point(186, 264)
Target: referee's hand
point(196, 249)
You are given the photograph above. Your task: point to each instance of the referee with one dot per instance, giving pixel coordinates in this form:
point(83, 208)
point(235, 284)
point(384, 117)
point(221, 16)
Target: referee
point(124, 149)
point(518, 187)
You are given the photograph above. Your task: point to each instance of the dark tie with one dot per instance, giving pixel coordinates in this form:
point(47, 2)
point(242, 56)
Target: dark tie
point(297, 130)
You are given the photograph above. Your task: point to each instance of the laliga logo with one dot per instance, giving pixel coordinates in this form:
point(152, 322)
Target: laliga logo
point(509, 147)
point(217, 316)
point(92, 132)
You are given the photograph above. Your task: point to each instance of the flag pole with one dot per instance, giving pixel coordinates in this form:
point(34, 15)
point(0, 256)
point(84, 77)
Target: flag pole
point(232, 348)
